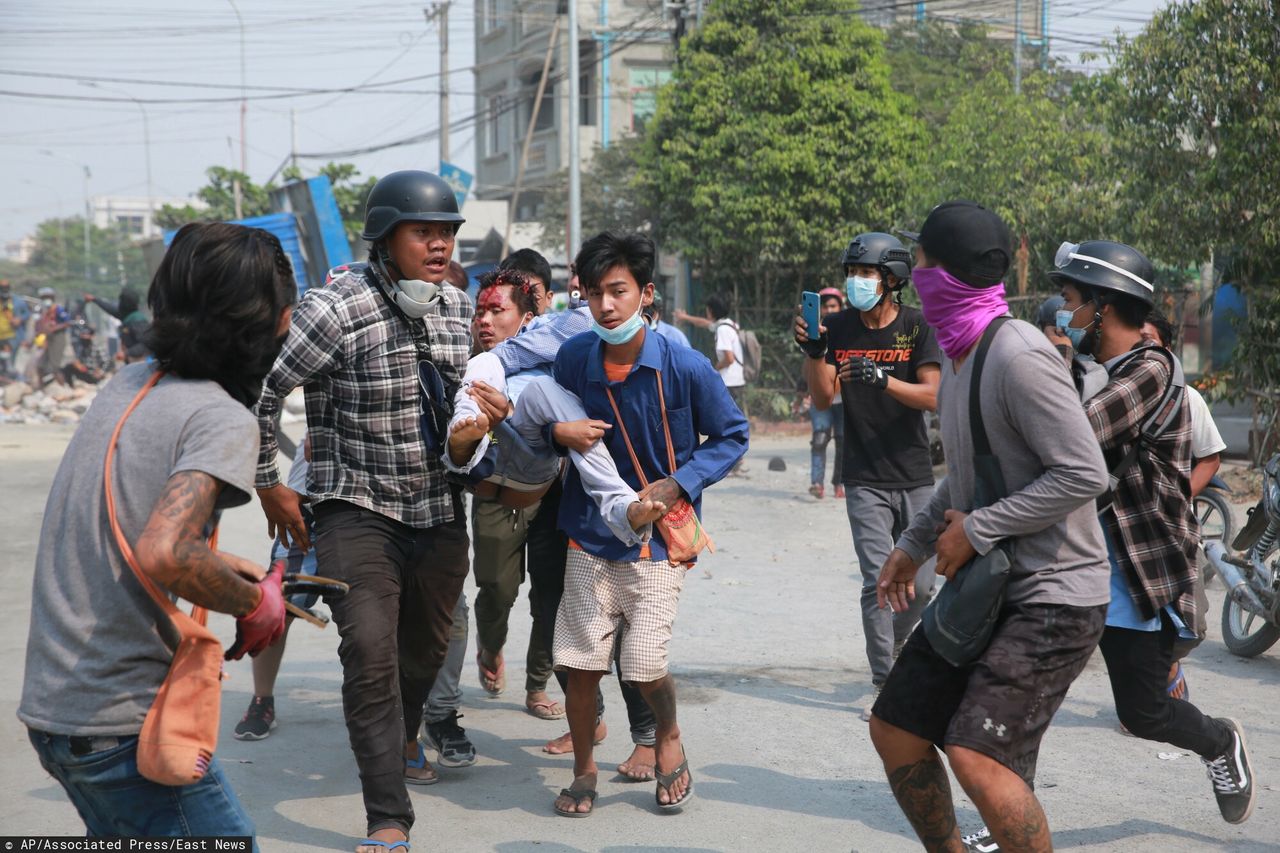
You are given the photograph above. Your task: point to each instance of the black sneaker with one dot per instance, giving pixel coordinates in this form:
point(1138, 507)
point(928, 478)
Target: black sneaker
point(1232, 776)
point(450, 740)
point(259, 720)
point(980, 842)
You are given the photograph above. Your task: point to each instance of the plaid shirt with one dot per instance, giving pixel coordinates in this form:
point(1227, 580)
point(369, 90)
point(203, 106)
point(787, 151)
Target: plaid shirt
point(1150, 520)
point(358, 360)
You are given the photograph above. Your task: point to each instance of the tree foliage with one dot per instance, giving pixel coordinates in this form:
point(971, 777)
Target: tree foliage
point(1193, 102)
point(219, 194)
point(778, 137)
point(1036, 158)
point(611, 195)
point(58, 260)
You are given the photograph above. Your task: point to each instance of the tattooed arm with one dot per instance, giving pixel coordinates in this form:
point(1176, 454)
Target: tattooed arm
point(172, 550)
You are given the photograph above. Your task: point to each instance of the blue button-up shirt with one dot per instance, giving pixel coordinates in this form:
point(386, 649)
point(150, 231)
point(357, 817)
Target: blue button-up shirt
point(698, 404)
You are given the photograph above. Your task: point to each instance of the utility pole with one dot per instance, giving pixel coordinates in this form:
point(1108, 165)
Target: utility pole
point(574, 231)
point(244, 100)
point(528, 135)
point(293, 139)
point(86, 223)
point(439, 13)
point(1017, 47)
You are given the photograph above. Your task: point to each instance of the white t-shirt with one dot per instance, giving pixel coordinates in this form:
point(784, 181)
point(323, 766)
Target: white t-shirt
point(727, 340)
point(1205, 438)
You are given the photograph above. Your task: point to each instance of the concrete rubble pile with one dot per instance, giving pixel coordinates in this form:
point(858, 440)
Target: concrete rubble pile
point(53, 404)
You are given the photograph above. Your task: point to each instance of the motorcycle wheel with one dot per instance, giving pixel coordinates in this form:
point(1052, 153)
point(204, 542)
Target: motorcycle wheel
point(1246, 634)
point(1216, 522)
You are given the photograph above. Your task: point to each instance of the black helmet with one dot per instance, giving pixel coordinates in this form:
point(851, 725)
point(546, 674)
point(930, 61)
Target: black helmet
point(1104, 265)
point(880, 250)
point(1047, 314)
point(408, 196)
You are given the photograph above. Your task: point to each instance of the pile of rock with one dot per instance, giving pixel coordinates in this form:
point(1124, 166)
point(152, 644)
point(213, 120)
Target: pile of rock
point(53, 404)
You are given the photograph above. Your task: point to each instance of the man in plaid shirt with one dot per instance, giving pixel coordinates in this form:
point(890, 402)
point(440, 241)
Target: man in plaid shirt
point(1150, 528)
point(386, 520)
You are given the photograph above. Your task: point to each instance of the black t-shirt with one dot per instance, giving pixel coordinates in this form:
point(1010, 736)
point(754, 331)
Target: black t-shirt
point(886, 445)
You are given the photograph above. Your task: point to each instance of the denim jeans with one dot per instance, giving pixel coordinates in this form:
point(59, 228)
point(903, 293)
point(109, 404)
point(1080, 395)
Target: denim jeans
point(113, 799)
point(446, 694)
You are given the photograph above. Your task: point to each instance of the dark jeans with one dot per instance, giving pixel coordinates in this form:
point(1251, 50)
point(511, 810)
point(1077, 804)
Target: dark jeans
point(1138, 665)
point(101, 777)
point(548, 549)
point(394, 626)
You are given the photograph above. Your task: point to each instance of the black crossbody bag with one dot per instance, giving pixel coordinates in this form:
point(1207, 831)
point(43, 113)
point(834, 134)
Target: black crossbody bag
point(962, 616)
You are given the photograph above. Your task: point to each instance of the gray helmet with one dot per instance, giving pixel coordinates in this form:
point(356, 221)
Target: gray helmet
point(408, 196)
point(880, 250)
point(1104, 265)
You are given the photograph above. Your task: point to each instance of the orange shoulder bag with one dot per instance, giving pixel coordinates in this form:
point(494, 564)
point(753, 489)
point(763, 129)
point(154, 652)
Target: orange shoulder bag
point(180, 732)
point(680, 528)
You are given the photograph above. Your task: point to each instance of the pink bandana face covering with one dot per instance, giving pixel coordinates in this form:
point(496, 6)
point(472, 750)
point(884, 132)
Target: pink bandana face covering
point(957, 312)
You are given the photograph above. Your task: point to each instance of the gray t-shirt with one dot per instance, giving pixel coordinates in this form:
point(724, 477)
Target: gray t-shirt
point(99, 647)
point(1053, 470)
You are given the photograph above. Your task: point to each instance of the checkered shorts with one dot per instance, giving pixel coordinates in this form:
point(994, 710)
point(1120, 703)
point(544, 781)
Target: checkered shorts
point(606, 603)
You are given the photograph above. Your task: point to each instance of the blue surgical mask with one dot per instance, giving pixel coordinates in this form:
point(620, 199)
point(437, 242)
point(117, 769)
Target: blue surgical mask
point(621, 333)
point(1063, 321)
point(864, 293)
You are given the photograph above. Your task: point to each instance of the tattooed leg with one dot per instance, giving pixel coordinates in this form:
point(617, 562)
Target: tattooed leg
point(1009, 807)
point(919, 783)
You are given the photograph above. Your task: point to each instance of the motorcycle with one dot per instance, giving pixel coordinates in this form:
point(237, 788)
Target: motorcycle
point(1251, 610)
point(1213, 510)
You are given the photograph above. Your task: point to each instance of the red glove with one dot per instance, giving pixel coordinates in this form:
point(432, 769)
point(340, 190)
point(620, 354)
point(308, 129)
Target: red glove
point(263, 625)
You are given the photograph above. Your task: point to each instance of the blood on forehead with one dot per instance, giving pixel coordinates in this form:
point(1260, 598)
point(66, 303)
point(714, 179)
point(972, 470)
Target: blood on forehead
point(492, 299)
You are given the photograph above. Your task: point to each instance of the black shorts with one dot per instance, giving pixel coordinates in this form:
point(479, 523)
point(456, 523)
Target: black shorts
point(1001, 704)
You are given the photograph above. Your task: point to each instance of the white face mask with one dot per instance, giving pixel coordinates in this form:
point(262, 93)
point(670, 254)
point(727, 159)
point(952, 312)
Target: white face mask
point(416, 298)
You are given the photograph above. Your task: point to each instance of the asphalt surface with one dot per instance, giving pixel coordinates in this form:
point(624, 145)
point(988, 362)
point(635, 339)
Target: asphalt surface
point(771, 677)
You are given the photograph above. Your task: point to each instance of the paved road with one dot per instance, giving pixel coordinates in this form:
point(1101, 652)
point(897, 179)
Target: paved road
point(768, 653)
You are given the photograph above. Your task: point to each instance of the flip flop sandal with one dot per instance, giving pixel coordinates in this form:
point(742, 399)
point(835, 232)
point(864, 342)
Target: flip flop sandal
point(493, 681)
point(417, 764)
point(549, 710)
point(387, 845)
point(666, 780)
point(577, 797)
point(1179, 680)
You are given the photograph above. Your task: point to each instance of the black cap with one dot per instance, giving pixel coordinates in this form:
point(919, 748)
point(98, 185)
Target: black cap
point(971, 242)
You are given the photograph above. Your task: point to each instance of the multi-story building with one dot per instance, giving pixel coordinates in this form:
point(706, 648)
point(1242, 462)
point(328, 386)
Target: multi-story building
point(133, 214)
point(625, 54)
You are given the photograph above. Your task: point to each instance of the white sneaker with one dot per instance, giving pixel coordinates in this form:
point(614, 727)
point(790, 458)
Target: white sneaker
point(980, 842)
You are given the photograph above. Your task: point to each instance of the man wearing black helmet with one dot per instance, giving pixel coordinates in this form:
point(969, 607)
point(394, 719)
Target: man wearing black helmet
point(378, 349)
point(882, 360)
point(1143, 423)
point(989, 714)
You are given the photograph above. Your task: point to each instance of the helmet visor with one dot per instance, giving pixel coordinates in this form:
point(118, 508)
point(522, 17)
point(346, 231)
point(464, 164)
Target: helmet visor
point(1063, 256)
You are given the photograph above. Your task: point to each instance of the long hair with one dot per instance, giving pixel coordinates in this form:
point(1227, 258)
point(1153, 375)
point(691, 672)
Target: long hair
point(216, 302)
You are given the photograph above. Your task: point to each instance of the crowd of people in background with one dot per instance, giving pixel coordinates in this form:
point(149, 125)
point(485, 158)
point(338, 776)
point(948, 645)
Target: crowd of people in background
point(45, 340)
point(579, 445)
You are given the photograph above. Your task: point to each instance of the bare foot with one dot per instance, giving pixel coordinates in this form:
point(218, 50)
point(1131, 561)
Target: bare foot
point(465, 437)
point(568, 805)
point(670, 754)
point(644, 512)
point(639, 766)
point(563, 745)
point(390, 836)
